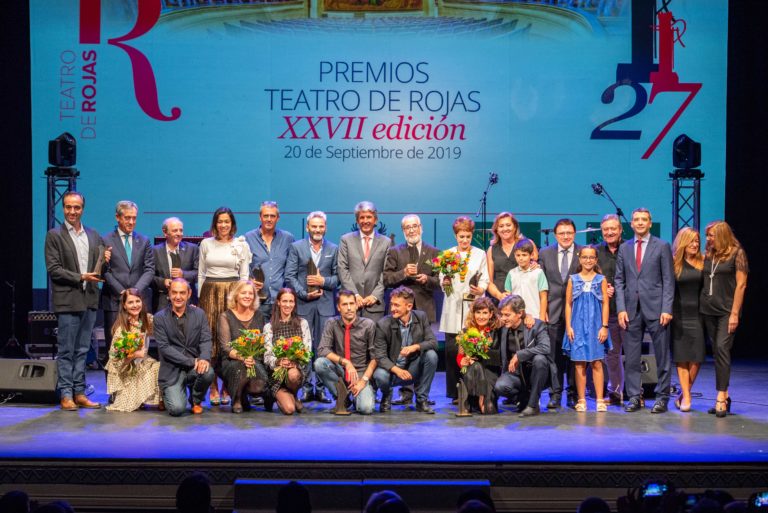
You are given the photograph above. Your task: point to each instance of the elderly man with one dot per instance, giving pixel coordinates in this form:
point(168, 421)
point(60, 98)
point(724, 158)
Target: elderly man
point(361, 261)
point(347, 352)
point(132, 265)
point(174, 258)
point(314, 291)
point(525, 357)
point(184, 344)
point(269, 246)
point(607, 253)
point(406, 351)
point(71, 253)
point(645, 290)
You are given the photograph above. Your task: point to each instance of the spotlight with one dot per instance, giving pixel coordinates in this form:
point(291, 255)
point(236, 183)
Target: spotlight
point(686, 153)
point(62, 151)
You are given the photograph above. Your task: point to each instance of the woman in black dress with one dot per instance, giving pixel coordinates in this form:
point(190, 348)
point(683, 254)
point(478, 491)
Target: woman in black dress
point(722, 296)
point(500, 256)
point(242, 314)
point(688, 347)
point(481, 375)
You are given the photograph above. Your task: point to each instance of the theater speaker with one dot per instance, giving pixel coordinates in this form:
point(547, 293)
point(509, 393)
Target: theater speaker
point(62, 151)
point(43, 327)
point(28, 381)
point(648, 375)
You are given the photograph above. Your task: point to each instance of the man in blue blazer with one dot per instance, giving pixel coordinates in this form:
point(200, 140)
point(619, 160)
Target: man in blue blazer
point(169, 254)
point(132, 265)
point(184, 345)
point(645, 289)
point(316, 306)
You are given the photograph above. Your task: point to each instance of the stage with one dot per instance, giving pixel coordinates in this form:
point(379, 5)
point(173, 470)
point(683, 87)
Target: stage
point(558, 457)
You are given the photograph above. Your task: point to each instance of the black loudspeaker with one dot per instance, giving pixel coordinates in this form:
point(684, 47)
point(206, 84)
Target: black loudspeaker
point(686, 153)
point(43, 327)
point(62, 151)
point(28, 381)
point(648, 375)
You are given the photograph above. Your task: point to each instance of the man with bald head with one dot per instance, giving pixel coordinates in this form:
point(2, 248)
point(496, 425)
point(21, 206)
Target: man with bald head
point(174, 258)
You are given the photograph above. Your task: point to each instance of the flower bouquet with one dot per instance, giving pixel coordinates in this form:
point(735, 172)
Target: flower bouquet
point(474, 344)
point(125, 344)
point(293, 349)
point(250, 344)
point(449, 263)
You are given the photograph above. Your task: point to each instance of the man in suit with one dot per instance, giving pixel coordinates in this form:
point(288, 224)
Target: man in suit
point(645, 289)
point(132, 265)
point(361, 262)
point(559, 261)
point(173, 258)
point(71, 253)
point(525, 357)
point(406, 351)
point(316, 306)
point(269, 247)
point(184, 345)
point(410, 264)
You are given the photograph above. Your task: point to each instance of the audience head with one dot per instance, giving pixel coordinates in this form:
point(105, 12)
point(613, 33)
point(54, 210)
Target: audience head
point(55, 507)
point(385, 501)
point(505, 228)
point(15, 501)
point(293, 498)
point(475, 494)
point(194, 494)
point(475, 506)
point(223, 224)
point(593, 505)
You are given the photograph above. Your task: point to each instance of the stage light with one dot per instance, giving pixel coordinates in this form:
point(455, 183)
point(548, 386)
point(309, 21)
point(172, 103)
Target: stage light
point(686, 153)
point(62, 151)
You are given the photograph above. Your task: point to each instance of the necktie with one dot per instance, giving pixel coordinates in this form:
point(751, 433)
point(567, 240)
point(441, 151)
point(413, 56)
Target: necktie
point(639, 254)
point(564, 264)
point(347, 349)
point(367, 248)
point(128, 247)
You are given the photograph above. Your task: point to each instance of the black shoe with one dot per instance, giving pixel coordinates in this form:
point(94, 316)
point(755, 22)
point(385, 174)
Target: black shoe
point(89, 389)
point(529, 412)
point(570, 402)
point(257, 401)
point(660, 406)
point(508, 401)
point(404, 400)
point(423, 407)
point(430, 402)
point(269, 401)
point(554, 402)
point(322, 396)
point(307, 394)
point(386, 403)
point(713, 410)
point(634, 404)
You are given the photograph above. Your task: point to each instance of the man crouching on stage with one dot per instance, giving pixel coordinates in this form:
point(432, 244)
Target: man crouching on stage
point(346, 352)
point(184, 343)
point(406, 351)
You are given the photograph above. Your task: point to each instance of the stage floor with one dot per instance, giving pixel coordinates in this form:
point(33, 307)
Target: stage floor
point(45, 432)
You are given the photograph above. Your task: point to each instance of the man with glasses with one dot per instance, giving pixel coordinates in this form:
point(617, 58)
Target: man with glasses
point(559, 261)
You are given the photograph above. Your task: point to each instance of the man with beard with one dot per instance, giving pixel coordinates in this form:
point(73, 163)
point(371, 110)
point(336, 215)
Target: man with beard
point(314, 291)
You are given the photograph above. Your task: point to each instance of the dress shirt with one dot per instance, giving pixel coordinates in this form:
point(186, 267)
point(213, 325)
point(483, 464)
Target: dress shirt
point(405, 339)
point(568, 254)
point(168, 252)
point(371, 237)
point(606, 259)
point(361, 338)
point(81, 246)
point(315, 254)
point(644, 248)
point(181, 322)
point(271, 259)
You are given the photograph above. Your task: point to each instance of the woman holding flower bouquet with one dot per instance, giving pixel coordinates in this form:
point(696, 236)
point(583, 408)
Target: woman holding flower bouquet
point(288, 351)
point(478, 354)
point(463, 271)
point(131, 374)
point(224, 260)
point(242, 346)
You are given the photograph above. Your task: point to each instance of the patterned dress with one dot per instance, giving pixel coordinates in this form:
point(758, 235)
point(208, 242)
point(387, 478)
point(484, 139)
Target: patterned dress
point(285, 330)
point(133, 383)
point(586, 320)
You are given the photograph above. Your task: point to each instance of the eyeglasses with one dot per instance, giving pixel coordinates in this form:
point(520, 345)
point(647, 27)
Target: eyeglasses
point(411, 227)
point(587, 257)
point(566, 234)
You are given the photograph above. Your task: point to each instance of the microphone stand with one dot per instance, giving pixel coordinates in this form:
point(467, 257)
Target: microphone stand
point(493, 179)
point(598, 189)
point(12, 348)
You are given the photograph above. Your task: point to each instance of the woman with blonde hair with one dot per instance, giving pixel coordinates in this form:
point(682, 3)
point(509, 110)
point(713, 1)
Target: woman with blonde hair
point(500, 255)
point(688, 346)
point(722, 296)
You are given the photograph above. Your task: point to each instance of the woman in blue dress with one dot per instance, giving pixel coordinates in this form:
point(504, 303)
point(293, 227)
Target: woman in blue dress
point(586, 325)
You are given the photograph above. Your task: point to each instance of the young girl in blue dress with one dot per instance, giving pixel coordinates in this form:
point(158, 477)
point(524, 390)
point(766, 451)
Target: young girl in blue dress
point(586, 325)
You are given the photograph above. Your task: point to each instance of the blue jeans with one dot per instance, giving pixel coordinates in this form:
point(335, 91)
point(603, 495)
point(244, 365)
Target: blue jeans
point(316, 326)
point(330, 373)
point(422, 369)
point(74, 341)
point(175, 396)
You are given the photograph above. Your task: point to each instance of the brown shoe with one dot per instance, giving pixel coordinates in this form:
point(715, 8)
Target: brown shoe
point(197, 409)
point(83, 402)
point(67, 404)
point(161, 405)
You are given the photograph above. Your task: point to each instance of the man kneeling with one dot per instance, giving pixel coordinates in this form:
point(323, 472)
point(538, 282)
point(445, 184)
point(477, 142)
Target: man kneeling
point(346, 352)
point(406, 351)
point(184, 344)
point(524, 355)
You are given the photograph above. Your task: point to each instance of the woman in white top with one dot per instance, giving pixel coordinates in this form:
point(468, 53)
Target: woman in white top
point(454, 305)
point(224, 260)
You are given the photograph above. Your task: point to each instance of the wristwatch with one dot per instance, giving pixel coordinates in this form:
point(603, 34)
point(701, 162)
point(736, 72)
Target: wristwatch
point(365, 378)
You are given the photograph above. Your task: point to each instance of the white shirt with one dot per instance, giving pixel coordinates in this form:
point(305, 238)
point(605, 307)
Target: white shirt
point(644, 245)
point(568, 254)
point(81, 246)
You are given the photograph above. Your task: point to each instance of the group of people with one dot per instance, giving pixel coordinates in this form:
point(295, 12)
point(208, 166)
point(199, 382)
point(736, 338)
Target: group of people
point(546, 316)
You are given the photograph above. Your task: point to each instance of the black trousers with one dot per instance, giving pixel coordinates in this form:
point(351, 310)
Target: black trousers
point(722, 342)
point(452, 373)
point(563, 364)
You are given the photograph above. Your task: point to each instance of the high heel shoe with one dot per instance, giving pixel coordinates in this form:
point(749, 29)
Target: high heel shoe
point(679, 400)
point(721, 413)
point(713, 411)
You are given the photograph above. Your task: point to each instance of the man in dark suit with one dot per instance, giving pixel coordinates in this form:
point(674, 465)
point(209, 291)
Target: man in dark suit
point(645, 290)
point(132, 265)
point(361, 262)
point(173, 258)
point(184, 345)
point(558, 262)
point(525, 357)
point(71, 253)
point(410, 264)
point(406, 351)
point(316, 306)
